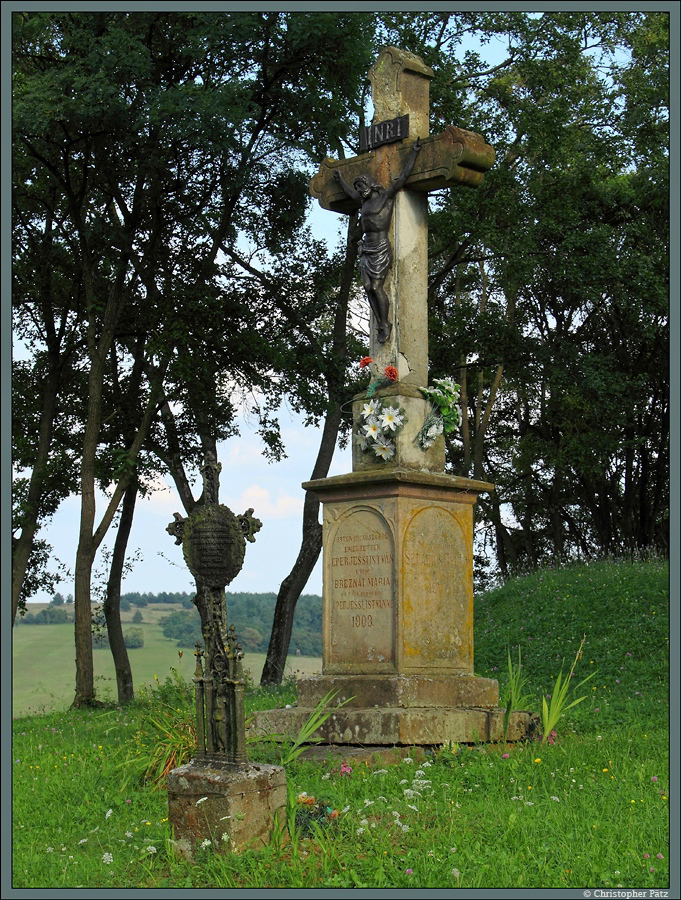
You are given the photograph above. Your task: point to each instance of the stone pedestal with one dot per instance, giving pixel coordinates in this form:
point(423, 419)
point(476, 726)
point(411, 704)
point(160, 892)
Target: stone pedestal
point(233, 807)
point(397, 616)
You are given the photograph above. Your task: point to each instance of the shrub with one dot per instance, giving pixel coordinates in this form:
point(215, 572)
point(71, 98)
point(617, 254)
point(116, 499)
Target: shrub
point(133, 638)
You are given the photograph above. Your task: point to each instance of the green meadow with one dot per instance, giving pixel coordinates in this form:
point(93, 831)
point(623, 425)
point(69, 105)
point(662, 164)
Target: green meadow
point(44, 669)
point(589, 810)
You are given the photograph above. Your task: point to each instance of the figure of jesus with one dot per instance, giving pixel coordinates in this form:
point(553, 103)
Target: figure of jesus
point(375, 254)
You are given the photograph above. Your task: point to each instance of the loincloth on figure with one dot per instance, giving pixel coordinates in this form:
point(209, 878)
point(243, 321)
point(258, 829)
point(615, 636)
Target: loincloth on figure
point(374, 260)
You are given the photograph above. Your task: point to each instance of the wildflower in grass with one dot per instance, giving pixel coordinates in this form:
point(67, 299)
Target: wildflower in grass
point(538, 760)
point(408, 871)
point(646, 855)
point(345, 769)
point(555, 798)
point(151, 849)
point(456, 874)
point(84, 840)
point(205, 844)
point(128, 834)
point(407, 759)
point(49, 850)
point(107, 859)
point(108, 813)
point(380, 772)
point(505, 755)
point(653, 777)
point(359, 831)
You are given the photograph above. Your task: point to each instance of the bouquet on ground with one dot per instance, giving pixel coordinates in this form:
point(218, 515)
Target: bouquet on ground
point(444, 415)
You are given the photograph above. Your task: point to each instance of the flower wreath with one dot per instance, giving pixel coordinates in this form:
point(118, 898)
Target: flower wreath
point(380, 421)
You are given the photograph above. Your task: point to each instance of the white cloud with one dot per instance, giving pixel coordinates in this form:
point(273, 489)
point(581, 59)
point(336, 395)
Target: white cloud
point(264, 506)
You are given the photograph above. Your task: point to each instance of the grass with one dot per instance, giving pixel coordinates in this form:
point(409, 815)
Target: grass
point(587, 811)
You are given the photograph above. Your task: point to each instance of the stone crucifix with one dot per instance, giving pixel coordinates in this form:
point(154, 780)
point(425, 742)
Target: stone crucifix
point(392, 180)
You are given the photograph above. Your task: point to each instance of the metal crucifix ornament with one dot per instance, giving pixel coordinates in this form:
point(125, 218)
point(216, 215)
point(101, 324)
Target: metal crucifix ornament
point(213, 545)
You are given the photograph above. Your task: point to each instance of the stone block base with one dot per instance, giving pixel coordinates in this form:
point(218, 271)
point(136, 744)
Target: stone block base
point(388, 691)
point(414, 726)
point(234, 807)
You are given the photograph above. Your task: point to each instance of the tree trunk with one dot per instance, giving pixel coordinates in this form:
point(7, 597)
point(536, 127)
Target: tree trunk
point(112, 603)
point(311, 544)
point(22, 546)
point(310, 548)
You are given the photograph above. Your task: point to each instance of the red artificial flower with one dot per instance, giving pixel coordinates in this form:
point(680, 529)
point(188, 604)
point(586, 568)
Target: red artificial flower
point(390, 372)
point(364, 361)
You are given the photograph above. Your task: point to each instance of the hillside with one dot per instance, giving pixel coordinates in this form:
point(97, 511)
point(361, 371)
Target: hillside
point(623, 609)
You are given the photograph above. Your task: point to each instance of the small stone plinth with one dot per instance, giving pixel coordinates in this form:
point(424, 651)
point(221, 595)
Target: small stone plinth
point(234, 807)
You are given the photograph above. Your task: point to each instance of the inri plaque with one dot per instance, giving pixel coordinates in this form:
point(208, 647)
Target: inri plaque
point(360, 598)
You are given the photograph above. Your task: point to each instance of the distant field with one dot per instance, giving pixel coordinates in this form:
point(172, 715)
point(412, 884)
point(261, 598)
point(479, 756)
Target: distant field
point(44, 669)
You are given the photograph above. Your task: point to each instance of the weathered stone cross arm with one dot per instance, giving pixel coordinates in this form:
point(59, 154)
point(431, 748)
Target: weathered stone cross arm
point(454, 157)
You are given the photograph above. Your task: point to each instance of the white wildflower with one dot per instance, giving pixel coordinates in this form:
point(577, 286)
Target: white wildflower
point(201, 800)
point(205, 843)
point(107, 859)
point(151, 849)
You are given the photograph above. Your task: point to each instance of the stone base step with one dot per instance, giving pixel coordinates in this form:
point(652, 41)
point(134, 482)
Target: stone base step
point(398, 726)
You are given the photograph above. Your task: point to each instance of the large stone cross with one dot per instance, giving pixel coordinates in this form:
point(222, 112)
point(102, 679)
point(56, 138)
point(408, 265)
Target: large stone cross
point(400, 84)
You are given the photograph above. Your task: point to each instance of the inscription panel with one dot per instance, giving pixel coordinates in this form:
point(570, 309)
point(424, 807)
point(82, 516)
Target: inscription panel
point(359, 595)
point(438, 629)
point(213, 547)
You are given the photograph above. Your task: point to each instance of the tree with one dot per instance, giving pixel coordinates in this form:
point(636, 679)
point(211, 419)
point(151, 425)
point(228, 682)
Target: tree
point(164, 137)
point(548, 286)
